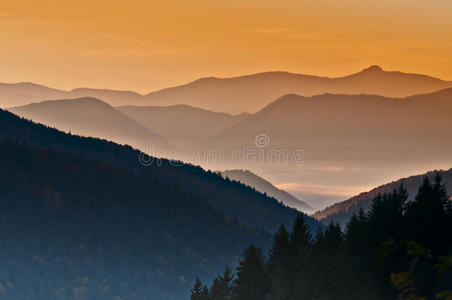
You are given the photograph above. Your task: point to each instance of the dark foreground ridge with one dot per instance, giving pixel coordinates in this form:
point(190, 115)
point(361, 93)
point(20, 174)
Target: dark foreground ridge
point(398, 250)
point(81, 217)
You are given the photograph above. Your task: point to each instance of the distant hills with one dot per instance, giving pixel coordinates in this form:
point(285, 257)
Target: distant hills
point(250, 93)
point(341, 212)
point(354, 129)
point(361, 138)
point(263, 186)
point(344, 138)
point(93, 117)
point(239, 94)
point(22, 93)
point(334, 119)
point(374, 125)
point(182, 125)
point(137, 126)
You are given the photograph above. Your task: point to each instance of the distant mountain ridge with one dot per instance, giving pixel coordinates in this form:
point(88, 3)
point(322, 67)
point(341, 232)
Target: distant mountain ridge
point(345, 139)
point(23, 93)
point(341, 212)
point(263, 186)
point(93, 117)
point(247, 93)
point(333, 120)
point(251, 92)
point(350, 134)
point(183, 125)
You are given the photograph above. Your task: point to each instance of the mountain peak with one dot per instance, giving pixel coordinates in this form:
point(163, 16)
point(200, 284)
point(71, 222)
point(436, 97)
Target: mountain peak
point(374, 68)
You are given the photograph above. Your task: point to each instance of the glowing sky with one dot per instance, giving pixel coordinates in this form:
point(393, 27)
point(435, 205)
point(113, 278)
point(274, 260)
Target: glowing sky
point(146, 45)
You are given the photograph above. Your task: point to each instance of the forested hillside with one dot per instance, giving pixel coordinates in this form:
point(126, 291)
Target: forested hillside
point(234, 199)
point(342, 212)
point(84, 218)
point(76, 228)
point(262, 185)
point(398, 250)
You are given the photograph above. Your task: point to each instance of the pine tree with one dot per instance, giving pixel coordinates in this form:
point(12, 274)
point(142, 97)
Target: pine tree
point(252, 279)
point(377, 247)
point(222, 286)
point(428, 215)
point(301, 236)
point(300, 249)
point(332, 238)
point(280, 251)
point(279, 266)
point(198, 291)
point(385, 216)
point(205, 294)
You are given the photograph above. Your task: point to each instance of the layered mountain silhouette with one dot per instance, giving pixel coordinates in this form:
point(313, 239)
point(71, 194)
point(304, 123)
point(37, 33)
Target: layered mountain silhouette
point(22, 93)
point(252, 92)
point(182, 125)
point(93, 117)
point(342, 212)
point(359, 137)
point(234, 199)
point(240, 94)
point(263, 186)
point(343, 139)
point(349, 128)
point(18, 94)
point(91, 217)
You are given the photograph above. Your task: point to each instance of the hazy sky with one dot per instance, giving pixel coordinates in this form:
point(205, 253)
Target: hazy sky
point(145, 45)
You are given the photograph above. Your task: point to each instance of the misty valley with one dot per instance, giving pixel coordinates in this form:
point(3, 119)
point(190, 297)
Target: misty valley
point(87, 213)
point(225, 150)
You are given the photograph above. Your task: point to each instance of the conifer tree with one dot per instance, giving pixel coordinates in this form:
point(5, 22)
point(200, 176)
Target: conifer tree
point(279, 266)
point(300, 249)
point(198, 291)
point(252, 279)
point(205, 295)
point(301, 237)
point(222, 286)
point(280, 251)
point(374, 259)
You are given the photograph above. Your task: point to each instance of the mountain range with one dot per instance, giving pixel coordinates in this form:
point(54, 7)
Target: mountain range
point(235, 199)
point(82, 213)
point(86, 211)
point(342, 138)
point(335, 119)
point(250, 93)
point(239, 94)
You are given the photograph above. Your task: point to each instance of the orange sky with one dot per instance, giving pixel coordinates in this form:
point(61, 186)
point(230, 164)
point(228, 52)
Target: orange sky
point(145, 45)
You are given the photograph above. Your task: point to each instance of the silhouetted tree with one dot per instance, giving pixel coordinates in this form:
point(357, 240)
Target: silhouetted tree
point(279, 264)
point(196, 291)
point(252, 280)
point(222, 286)
point(398, 249)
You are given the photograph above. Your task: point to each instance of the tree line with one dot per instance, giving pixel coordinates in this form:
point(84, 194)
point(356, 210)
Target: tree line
point(399, 249)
